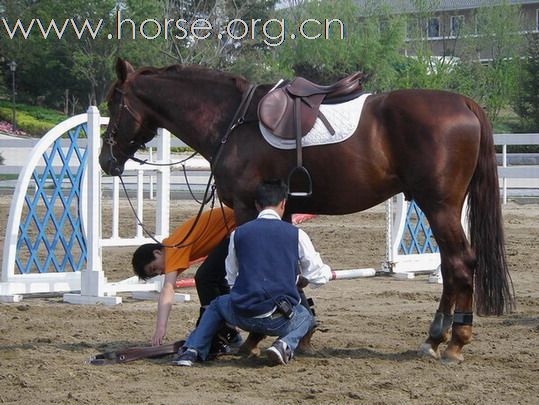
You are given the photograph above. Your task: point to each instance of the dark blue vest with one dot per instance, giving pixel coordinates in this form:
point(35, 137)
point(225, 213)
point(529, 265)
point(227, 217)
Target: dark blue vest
point(267, 252)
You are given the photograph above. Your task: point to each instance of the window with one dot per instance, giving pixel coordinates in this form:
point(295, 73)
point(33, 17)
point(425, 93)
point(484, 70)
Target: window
point(537, 20)
point(433, 27)
point(457, 22)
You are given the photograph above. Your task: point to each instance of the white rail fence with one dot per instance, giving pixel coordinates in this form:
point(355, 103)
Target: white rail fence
point(507, 172)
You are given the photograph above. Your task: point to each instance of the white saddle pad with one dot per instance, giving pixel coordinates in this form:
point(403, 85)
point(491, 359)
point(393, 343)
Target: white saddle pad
point(344, 118)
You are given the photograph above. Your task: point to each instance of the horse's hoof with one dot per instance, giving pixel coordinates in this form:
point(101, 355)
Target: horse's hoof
point(306, 348)
point(451, 357)
point(249, 350)
point(426, 350)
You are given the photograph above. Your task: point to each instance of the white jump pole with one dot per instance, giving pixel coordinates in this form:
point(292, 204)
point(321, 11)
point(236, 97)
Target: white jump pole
point(352, 273)
point(335, 275)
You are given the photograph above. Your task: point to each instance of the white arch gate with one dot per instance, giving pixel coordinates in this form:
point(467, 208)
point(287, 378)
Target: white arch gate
point(53, 238)
point(58, 226)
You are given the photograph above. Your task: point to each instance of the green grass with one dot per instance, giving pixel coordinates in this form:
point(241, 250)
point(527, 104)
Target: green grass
point(39, 113)
point(9, 177)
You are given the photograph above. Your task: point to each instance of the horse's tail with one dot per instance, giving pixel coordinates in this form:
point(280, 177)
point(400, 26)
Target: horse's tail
point(493, 288)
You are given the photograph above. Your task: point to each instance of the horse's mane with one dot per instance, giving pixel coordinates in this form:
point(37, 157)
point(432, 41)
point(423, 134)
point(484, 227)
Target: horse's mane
point(194, 72)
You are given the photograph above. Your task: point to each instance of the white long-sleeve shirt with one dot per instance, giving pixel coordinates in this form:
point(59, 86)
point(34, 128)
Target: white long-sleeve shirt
point(311, 265)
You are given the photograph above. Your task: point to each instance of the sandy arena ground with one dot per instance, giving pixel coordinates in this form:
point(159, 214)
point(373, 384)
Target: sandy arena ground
point(366, 346)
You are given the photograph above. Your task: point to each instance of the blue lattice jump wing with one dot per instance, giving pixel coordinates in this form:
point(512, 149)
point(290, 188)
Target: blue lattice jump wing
point(50, 233)
point(45, 234)
point(417, 237)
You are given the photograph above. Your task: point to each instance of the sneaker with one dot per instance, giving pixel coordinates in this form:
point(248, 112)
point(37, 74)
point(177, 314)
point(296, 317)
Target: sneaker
point(279, 353)
point(186, 359)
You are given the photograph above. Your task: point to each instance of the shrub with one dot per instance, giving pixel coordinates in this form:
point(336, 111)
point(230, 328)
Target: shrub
point(33, 120)
point(40, 113)
point(26, 122)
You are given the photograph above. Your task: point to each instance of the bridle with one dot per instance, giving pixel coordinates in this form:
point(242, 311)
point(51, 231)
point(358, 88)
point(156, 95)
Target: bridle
point(237, 120)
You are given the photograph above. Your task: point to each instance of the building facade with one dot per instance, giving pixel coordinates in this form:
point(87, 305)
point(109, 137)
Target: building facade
point(445, 24)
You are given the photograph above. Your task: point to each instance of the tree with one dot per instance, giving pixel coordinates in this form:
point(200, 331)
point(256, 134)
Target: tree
point(80, 67)
point(55, 58)
point(527, 102)
point(342, 38)
point(489, 67)
point(223, 32)
point(422, 68)
point(46, 53)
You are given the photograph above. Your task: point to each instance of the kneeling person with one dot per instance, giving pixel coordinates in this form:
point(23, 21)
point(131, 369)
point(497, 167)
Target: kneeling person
point(262, 268)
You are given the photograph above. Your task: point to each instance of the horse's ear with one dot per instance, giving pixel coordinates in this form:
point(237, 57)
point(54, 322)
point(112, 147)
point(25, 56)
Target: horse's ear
point(123, 68)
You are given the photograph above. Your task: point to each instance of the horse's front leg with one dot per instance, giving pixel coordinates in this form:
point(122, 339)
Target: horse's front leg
point(250, 346)
point(305, 345)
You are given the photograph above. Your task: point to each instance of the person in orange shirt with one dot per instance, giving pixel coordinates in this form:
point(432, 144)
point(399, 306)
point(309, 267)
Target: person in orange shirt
point(191, 241)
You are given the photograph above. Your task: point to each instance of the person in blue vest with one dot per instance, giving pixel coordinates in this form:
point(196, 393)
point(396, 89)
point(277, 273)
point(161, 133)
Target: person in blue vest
point(266, 258)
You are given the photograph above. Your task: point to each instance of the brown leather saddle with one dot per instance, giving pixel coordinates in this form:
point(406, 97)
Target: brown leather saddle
point(290, 111)
point(135, 353)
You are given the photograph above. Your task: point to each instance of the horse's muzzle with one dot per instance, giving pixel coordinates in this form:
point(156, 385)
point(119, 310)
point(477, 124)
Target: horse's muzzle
point(110, 165)
point(116, 171)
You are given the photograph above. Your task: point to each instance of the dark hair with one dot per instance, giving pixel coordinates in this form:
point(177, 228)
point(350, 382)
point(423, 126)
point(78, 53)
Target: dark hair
point(143, 256)
point(269, 193)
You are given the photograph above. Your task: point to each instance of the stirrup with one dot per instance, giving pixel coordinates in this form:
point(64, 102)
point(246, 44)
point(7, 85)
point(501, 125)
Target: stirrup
point(301, 173)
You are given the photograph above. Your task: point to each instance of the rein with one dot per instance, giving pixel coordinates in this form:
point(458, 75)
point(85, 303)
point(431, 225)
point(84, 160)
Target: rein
point(237, 120)
point(179, 162)
point(180, 244)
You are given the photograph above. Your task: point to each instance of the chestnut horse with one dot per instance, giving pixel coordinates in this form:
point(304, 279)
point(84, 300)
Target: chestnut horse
point(434, 146)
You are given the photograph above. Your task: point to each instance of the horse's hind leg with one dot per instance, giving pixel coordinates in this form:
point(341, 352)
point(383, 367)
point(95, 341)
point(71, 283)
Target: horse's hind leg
point(455, 309)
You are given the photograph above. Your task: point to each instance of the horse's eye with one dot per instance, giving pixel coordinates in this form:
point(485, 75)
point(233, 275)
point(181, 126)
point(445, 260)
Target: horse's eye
point(131, 142)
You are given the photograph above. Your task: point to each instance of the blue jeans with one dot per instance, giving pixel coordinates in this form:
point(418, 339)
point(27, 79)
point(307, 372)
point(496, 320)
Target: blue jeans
point(220, 310)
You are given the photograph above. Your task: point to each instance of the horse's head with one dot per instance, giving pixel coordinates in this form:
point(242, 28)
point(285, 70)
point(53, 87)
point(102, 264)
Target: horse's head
point(129, 127)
